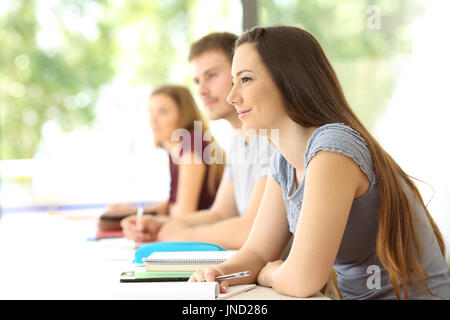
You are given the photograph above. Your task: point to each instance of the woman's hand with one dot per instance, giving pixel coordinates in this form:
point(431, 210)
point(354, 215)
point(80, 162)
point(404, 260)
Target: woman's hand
point(209, 275)
point(145, 230)
point(265, 275)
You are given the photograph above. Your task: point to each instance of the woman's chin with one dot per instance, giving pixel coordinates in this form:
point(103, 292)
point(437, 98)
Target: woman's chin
point(249, 126)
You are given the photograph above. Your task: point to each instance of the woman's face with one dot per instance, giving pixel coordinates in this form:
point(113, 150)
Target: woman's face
point(254, 94)
point(164, 117)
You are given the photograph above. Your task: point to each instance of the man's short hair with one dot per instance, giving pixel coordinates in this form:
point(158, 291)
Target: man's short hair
point(214, 41)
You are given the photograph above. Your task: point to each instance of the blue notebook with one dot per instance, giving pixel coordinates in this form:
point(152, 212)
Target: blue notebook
point(169, 246)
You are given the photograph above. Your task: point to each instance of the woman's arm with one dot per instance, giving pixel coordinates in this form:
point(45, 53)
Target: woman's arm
point(160, 208)
point(191, 173)
point(333, 181)
point(267, 240)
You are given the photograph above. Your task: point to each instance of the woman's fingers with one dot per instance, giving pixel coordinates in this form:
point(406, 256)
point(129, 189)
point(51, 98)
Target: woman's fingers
point(223, 286)
point(198, 276)
point(209, 275)
point(206, 274)
point(129, 227)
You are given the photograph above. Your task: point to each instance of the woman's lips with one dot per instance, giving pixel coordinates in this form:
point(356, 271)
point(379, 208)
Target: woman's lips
point(243, 113)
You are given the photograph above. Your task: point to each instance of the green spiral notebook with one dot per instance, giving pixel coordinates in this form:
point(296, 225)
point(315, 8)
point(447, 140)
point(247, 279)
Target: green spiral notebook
point(141, 275)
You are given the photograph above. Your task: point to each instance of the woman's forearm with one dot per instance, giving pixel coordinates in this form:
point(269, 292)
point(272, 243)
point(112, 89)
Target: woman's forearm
point(201, 217)
point(243, 260)
point(160, 208)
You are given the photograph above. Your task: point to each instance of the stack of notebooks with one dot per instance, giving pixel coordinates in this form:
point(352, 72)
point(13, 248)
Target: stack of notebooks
point(162, 273)
point(174, 266)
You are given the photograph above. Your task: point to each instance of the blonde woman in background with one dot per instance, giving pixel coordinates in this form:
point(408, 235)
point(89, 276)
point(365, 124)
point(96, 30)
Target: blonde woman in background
point(194, 179)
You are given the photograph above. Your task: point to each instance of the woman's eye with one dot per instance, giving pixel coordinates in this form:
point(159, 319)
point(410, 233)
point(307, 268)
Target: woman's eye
point(245, 79)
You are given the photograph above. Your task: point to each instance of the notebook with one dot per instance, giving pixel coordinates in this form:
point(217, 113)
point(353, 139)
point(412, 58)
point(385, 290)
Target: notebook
point(141, 275)
point(166, 246)
point(185, 260)
point(180, 290)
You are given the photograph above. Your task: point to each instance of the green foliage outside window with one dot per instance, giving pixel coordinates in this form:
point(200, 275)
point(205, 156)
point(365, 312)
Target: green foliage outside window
point(56, 72)
point(363, 39)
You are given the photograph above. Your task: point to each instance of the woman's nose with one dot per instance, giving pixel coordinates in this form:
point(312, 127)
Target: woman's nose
point(233, 97)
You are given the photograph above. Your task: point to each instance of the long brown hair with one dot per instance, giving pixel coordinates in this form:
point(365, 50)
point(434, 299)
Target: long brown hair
point(313, 97)
point(188, 114)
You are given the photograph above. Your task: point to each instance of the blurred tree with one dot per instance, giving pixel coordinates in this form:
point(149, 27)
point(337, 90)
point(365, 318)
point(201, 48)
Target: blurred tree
point(151, 35)
point(50, 73)
point(155, 35)
point(363, 39)
point(57, 54)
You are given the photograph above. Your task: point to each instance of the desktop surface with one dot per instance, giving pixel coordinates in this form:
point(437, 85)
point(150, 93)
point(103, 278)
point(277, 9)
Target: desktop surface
point(47, 256)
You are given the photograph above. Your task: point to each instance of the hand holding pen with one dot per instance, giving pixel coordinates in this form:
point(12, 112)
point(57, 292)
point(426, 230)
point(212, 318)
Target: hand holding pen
point(139, 214)
point(233, 275)
point(210, 274)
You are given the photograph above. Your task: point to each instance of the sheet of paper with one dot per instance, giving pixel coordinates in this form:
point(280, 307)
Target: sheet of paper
point(167, 291)
point(234, 290)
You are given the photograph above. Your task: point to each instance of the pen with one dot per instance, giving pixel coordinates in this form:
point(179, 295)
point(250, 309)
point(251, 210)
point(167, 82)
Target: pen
point(233, 275)
point(139, 213)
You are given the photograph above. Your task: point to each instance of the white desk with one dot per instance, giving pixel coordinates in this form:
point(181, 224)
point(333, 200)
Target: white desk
point(47, 256)
point(264, 293)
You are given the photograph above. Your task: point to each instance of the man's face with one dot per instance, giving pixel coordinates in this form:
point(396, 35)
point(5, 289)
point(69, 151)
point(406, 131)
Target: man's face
point(211, 71)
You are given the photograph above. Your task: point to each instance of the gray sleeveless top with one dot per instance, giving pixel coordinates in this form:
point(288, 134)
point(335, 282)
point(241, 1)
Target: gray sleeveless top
point(360, 274)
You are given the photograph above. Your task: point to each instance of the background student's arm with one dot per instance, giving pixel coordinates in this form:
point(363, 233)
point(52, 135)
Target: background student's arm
point(160, 208)
point(266, 242)
point(190, 180)
point(144, 231)
point(192, 171)
point(332, 183)
point(124, 210)
point(223, 207)
point(230, 232)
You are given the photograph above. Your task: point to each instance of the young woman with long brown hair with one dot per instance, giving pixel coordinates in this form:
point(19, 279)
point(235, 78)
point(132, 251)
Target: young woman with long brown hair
point(356, 217)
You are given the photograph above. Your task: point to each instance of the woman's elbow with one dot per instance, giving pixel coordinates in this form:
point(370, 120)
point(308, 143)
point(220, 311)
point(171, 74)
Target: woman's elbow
point(300, 288)
point(306, 292)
